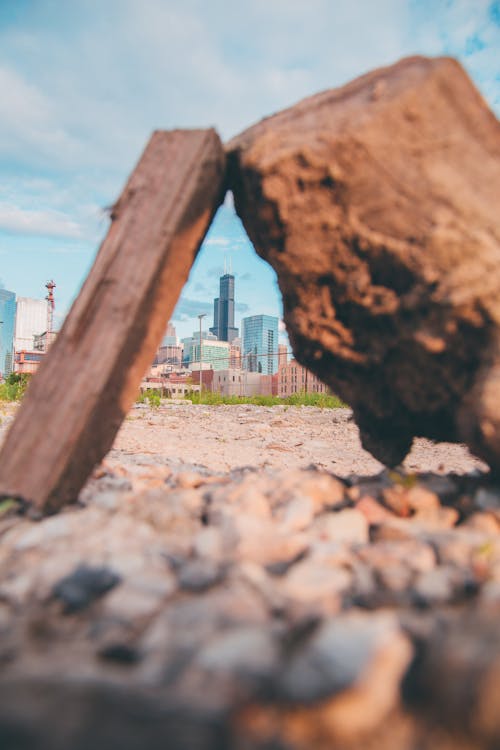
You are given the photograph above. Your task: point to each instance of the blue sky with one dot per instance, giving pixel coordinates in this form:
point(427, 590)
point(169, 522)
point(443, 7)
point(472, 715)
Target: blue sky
point(84, 82)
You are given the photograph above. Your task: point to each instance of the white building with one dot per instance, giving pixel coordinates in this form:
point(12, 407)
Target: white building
point(232, 382)
point(31, 319)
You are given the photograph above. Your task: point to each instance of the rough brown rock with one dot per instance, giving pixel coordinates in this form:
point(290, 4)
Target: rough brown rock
point(377, 205)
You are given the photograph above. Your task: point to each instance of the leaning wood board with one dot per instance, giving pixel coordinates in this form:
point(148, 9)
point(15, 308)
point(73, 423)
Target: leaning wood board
point(88, 381)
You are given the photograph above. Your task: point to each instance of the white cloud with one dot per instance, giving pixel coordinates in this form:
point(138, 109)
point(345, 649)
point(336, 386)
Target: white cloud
point(47, 223)
point(188, 308)
point(49, 208)
point(114, 71)
point(28, 123)
point(217, 242)
point(125, 67)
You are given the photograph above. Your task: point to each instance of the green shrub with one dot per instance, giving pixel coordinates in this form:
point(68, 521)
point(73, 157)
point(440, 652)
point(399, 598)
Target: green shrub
point(150, 396)
point(14, 387)
point(154, 398)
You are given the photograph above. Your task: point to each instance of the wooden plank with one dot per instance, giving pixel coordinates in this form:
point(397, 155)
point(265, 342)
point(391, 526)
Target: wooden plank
point(88, 381)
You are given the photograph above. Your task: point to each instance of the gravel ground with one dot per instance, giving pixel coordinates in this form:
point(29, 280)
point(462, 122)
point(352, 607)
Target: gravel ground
point(247, 578)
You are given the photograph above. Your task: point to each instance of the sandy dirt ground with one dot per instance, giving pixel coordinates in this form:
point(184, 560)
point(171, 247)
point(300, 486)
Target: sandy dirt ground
point(223, 438)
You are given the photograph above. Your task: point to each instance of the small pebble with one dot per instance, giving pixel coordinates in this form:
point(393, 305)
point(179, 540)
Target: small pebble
point(83, 586)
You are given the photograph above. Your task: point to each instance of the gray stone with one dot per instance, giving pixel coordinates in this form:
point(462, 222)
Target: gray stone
point(396, 578)
point(488, 498)
point(107, 500)
point(46, 533)
point(199, 575)
point(297, 514)
point(417, 556)
point(139, 596)
point(83, 586)
point(209, 543)
point(309, 582)
point(360, 659)
point(247, 651)
point(264, 584)
point(437, 586)
point(17, 588)
point(457, 547)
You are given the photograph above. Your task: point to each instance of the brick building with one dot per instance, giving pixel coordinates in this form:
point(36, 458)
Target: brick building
point(294, 378)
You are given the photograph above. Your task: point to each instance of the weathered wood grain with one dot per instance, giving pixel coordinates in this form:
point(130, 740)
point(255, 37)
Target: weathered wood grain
point(83, 390)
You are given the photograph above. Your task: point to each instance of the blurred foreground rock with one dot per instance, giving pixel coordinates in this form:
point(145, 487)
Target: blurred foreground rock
point(377, 205)
point(285, 609)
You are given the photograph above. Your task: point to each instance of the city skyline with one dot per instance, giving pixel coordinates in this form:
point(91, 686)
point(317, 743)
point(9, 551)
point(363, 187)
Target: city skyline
point(70, 133)
point(27, 318)
point(209, 267)
point(185, 314)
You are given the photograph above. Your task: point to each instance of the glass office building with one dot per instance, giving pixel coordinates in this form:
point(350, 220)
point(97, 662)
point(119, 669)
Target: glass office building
point(214, 354)
point(260, 344)
point(7, 326)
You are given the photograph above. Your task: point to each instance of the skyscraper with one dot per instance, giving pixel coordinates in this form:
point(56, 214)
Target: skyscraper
point(170, 336)
point(260, 344)
point(223, 326)
point(7, 318)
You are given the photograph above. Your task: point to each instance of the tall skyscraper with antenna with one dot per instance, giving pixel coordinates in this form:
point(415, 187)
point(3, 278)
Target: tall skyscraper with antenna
point(223, 326)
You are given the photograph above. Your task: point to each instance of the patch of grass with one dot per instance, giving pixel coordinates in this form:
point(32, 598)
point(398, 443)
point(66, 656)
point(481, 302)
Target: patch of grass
point(320, 400)
point(14, 387)
point(151, 396)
